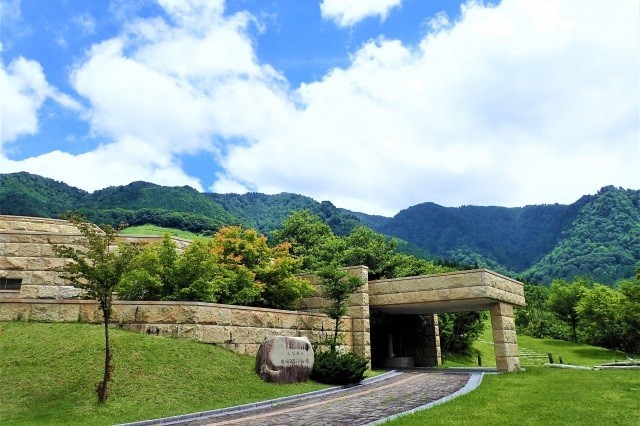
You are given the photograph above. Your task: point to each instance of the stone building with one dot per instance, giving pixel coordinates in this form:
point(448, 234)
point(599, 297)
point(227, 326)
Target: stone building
point(407, 335)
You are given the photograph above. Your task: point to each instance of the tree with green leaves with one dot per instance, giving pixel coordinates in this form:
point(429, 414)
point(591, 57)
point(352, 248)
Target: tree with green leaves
point(367, 247)
point(311, 240)
point(600, 316)
point(564, 298)
point(97, 268)
point(337, 285)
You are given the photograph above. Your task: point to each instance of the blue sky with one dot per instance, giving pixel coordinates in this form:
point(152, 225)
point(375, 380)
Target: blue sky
point(374, 105)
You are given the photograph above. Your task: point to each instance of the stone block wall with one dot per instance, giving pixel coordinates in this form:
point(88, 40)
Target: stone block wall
point(25, 253)
point(238, 328)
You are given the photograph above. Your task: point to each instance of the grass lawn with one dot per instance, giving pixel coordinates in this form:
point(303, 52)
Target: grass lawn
point(541, 395)
point(534, 352)
point(49, 371)
point(158, 230)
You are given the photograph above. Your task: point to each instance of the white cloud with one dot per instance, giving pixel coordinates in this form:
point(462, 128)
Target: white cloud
point(113, 164)
point(24, 89)
point(164, 88)
point(86, 23)
point(346, 13)
point(524, 102)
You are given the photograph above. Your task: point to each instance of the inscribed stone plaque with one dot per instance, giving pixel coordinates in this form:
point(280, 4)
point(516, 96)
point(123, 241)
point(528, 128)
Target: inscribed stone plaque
point(285, 359)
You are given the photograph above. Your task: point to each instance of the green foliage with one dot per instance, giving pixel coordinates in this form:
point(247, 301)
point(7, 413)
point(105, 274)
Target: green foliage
point(311, 240)
point(583, 311)
point(336, 368)
point(267, 212)
point(367, 247)
point(32, 195)
point(536, 319)
point(97, 268)
point(603, 242)
point(458, 331)
point(563, 299)
point(600, 319)
point(234, 267)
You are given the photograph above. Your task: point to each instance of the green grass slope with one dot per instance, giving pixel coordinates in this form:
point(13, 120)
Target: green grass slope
point(541, 395)
point(149, 229)
point(49, 371)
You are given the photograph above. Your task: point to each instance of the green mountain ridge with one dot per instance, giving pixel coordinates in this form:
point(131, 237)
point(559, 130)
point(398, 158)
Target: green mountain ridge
point(596, 236)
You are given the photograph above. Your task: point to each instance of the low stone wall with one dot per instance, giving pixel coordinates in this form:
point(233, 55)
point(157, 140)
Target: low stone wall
point(238, 328)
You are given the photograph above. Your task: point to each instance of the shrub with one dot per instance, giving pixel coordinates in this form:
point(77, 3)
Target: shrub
point(337, 368)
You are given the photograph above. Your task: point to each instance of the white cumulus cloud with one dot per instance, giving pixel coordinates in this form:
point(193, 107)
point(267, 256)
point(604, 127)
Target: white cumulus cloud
point(24, 89)
point(346, 13)
point(523, 102)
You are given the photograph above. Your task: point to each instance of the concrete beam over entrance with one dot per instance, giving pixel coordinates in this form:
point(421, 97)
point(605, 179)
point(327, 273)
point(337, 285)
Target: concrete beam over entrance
point(474, 290)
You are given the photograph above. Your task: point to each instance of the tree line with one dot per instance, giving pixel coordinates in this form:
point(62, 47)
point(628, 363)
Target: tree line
point(583, 310)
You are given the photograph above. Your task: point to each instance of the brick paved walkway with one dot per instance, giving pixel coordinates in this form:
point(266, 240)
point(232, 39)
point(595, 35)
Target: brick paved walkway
point(359, 405)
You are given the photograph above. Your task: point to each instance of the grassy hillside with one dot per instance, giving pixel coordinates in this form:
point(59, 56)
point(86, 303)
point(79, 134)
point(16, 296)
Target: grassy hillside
point(49, 371)
point(541, 395)
point(158, 230)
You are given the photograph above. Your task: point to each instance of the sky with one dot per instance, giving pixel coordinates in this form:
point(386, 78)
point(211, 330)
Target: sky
point(373, 105)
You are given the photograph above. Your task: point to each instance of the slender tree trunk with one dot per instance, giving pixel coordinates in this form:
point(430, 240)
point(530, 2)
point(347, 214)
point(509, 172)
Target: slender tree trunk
point(335, 335)
point(574, 326)
point(102, 390)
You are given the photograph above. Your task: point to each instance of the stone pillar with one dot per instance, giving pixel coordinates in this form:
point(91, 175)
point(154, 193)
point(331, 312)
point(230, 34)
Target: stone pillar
point(505, 343)
point(433, 352)
point(359, 312)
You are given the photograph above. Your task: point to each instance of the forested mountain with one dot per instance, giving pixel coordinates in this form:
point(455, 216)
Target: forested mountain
point(602, 242)
point(513, 237)
point(267, 212)
point(32, 195)
point(597, 236)
point(177, 207)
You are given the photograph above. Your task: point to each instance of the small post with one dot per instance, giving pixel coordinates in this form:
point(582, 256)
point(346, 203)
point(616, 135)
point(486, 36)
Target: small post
point(550, 355)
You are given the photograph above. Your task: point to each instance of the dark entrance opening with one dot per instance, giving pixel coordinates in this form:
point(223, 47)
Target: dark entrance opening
point(403, 340)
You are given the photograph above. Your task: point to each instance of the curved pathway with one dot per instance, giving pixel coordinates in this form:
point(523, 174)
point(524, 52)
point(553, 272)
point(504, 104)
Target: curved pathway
point(357, 405)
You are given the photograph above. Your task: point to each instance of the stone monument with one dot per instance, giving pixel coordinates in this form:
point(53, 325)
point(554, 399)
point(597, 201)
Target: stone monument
point(285, 359)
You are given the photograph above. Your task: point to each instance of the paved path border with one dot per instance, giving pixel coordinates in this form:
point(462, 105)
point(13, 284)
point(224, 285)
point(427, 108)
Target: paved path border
point(183, 418)
point(474, 382)
point(255, 413)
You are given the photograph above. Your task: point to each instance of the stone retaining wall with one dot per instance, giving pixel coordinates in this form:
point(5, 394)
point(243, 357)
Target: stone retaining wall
point(238, 328)
point(25, 253)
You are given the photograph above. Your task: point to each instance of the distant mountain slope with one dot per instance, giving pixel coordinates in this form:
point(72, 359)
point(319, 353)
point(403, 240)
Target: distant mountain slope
point(32, 195)
point(597, 236)
point(370, 220)
point(267, 212)
point(603, 242)
point(513, 237)
point(135, 204)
